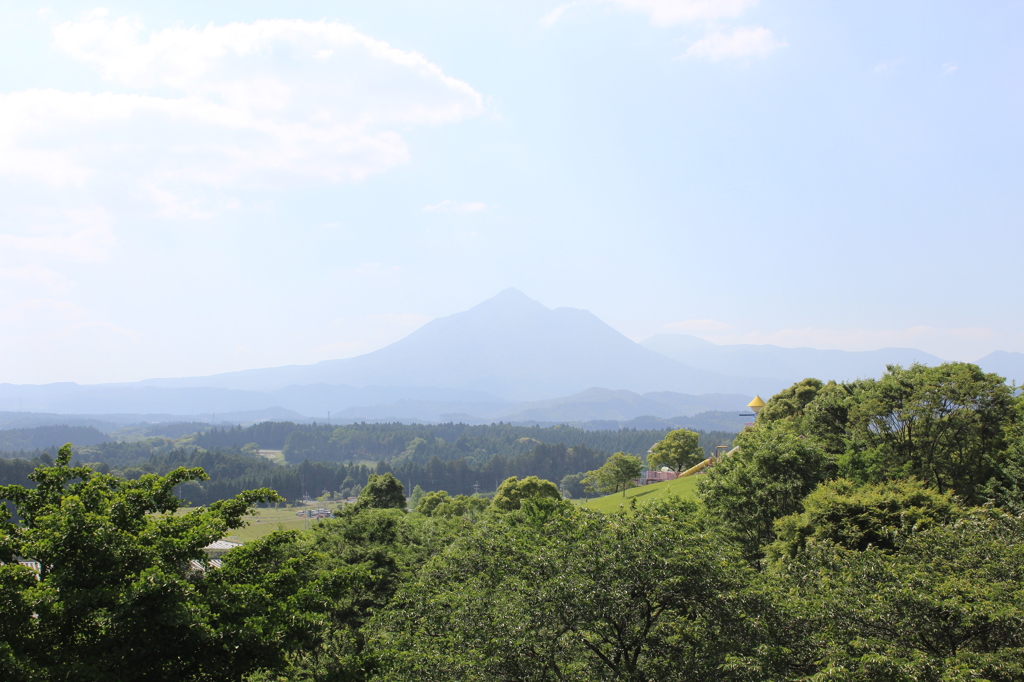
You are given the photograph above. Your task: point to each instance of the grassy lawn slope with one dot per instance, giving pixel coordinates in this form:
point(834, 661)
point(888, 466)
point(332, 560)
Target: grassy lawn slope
point(683, 487)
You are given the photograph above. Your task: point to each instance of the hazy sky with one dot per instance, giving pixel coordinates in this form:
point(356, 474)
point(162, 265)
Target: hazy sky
point(195, 187)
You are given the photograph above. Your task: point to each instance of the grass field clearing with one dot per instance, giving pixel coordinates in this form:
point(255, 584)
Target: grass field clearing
point(266, 521)
point(685, 488)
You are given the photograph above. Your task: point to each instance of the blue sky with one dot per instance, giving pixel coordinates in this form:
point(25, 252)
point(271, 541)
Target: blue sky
point(189, 188)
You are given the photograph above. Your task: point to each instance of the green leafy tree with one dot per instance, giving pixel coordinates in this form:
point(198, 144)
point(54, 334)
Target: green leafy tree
point(945, 605)
point(417, 495)
point(569, 595)
point(679, 450)
point(765, 479)
point(117, 596)
point(858, 517)
point(572, 485)
point(513, 491)
point(348, 568)
point(441, 504)
point(945, 425)
point(789, 404)
point(382, 491)
point(619, 472)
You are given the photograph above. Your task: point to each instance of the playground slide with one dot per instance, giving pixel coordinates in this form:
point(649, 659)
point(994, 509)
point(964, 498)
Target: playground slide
point(697, 468)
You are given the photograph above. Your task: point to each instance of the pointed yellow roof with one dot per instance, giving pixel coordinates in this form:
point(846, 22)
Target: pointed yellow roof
point(756, 402)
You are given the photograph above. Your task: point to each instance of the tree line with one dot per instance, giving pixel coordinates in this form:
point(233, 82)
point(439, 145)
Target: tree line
point(419, 443)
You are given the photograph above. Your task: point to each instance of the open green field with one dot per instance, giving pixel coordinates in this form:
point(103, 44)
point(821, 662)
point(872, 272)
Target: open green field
point(683, 487)
point(266, 521)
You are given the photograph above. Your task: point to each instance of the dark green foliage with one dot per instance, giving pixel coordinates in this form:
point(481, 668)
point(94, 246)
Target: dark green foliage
point(572, 486)
point(453, 457)
point(413, 443)
point(944, 425)
point(947, 605)
point(40, 437)
point(269, 435)
point(16, 470)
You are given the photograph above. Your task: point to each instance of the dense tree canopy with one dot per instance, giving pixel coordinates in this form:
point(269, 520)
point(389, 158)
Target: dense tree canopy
point(512, 492)
point(765, 479)
point(571, 596)
point(382, 492)
point(116, 596)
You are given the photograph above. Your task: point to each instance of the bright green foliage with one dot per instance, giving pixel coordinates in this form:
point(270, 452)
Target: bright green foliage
point(116, 597)
point(862, 516)
point(568, 595)
point(512, 492)
point(382, 491)
point(944, 425)
point(441, 504)
point(947, 605)
point(680, 488)
point(619, 472)
point(677, 451)
point(764, 480)
point(417, 495)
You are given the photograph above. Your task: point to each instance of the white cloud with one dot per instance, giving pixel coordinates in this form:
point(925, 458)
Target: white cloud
point(748, 41)
point(254, 105)
point(948, 69)
point(450, 206)
point(663, 12)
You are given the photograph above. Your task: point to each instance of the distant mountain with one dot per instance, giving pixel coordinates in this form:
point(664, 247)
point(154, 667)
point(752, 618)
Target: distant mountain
point(503, 359)
point(785, 365)
point(509, 346)
point(1006, 364)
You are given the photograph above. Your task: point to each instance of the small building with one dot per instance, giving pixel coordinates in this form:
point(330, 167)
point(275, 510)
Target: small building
point(657, 476)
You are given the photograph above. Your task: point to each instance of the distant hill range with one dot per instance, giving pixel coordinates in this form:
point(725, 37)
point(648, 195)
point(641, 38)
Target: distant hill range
point(784, 365)
point(508, 358)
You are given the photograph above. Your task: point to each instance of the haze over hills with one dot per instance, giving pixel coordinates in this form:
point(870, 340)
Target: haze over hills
point(508, 358)
point(784, 365)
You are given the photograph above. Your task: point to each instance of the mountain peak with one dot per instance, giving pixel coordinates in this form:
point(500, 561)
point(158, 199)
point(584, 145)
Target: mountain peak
point(510, 300)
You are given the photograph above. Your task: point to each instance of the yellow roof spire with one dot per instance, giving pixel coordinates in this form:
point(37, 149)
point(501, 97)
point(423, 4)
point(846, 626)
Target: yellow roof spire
point(756, 402)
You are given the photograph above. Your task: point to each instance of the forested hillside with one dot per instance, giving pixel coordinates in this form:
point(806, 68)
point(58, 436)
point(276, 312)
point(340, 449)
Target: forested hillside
point(35, 438)
point(418, 443)
point(337, 461)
